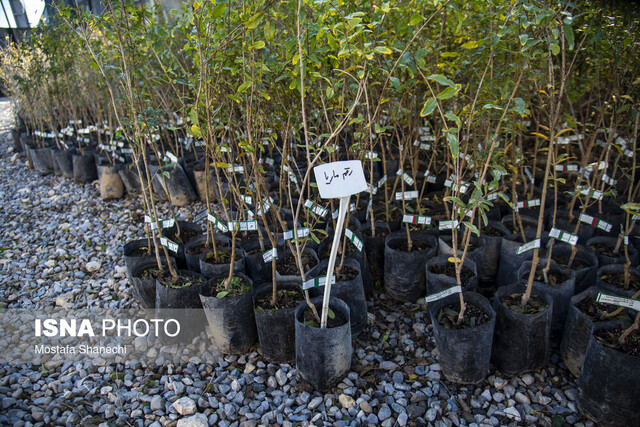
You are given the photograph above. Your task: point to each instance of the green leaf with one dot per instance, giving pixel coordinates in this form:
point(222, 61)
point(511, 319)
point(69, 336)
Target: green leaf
point(222, 294)
point(449, 92)
point(454, 144)
point(383, 50)
point(258, 45)
point(456, 201)
point(195, 130)
point(442, 80)
point(520, 107)
point(631, 208)
point(415, 19)
point(244, 86)
point(395, 82)
point(454, 118)
point(555, 49)
point(254, 21)
point(472, 227)
point(218, 11)
point(568, 34)
point(331, 314)
point(470, 45)
point(428, 107)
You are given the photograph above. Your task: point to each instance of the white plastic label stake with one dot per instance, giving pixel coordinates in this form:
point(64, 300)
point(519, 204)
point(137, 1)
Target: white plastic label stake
point(608, 180)
point(172, 157)
point(247, 199)
point(595, 222)
point(381, 181)
point(529, 203)
point(416, 219)
point(370, 155)
point(302, 232)
point(530, 176)
point(534, 244)
point(564, 236)
point(448, 225)
point(200, 216)
point(595, 194)
point(619, 301)
point(340, 179)
point(449, 183)
point(172, 246)
point(408, 195)
point(443, 294)
point(270, 254)
point(316, 282)
point(354, 239)
point(167, 223)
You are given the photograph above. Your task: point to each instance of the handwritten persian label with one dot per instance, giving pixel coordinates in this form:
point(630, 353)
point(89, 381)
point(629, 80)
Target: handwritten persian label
point(354, 239)
point(595, 222)
point(534, 244)
point(407, 195)
point(172, 246)
point(340, 179)
point(316, 282)
point(618, 301)
point(564, 236)
point(416, 219)
point(302, 232)
point(270, 255)
point(443, 294)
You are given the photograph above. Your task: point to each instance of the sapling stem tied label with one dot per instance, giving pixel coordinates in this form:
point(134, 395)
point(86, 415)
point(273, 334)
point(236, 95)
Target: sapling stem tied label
point(534, 244)
point(219, 225)
point(416, 219)
point(529, 203)
point(315, 208)
point(618, 301)
point(452, 185)
point(270, 254)
point(408, 195)
point(302, 232)
point(354, 239)
point(595, 194)
point(316, 282)
point(448, 225)
point(243, 225)
point(172, 246)
point(443, 294)
point(370, 155)
point(595, 222)
point(564, 236)
point(567, 168)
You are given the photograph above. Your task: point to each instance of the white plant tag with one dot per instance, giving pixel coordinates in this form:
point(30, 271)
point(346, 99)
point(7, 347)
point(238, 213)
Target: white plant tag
point(492, 196)
point(220, 226)
point(595, 222)
point(564, 236)
point(534, 244)
point(609, 180)
point(172, 246)
point(302, 232)
point(247, 199)
point(448, 225)
point(596, 166)
point(618, 301)
point(171, 157)
point(408, 195)
point(316, 282)
point(126, 151)
point(354, 239)
point(264, 206)
point(595, 194)
point(243, 225)
point(407, 179)
point(443, 294)
point(382, 181)
point(530, 176)
point(315, 208)
point(200, 216)
point(529, 203)
point(270, 254)
point(340, 179)
point(451, 184)
point(370, 155)
point(627, 152)
point(416, 219)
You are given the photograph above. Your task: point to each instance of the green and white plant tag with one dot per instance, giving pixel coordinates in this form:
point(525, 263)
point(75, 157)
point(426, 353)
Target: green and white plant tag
point(529, 203)
point(595, 222)
point(567, 168)
point(354, 239)
point(370, 155)
point(243, 225)
point(443, 294)
point(450, 183)
point(585, 191)
point(316, 282)
point(302, 232)
point(170, 157)
point(429, 178)
point(247, 199)
point(407, 195)
point(534, 244)
point(608, 180)
point(564, 236)
point(618, 301)
point(219, 225)
point(264, 206)
point(270, 255)
point(405, 176)
point(416, 219)
point(236, 169)
point(315, 208)
point(172, 246)
point(164, 223)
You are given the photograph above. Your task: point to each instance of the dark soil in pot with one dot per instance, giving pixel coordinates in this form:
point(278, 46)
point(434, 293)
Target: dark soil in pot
point(324, 250)
point(465, 348)
point(404, 275)
point(440, 274)
point(609, 383)
point(211, 267)
point(287, 268)
point(323, 356)
point(255, 267)
point(521, 338)
point(276, 325)
point(604, 247)
point(230, 313)
point(510, 261)
point(143, 280)
point(197, 246)
point(182, 233)
point(475, 251)
point(585, 264)
point(611, 278)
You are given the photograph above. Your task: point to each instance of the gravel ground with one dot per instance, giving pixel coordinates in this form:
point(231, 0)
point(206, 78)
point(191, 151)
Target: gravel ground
point(61, 245)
